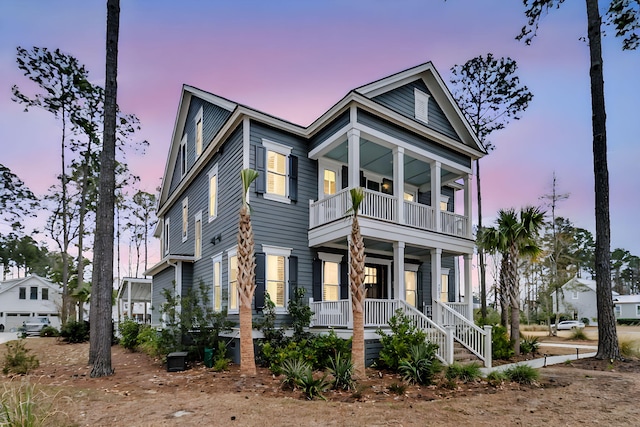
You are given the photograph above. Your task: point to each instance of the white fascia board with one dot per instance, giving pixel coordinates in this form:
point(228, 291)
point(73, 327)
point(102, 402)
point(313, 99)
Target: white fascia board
point(395, 80)
point(166, 262)
point(211, 98)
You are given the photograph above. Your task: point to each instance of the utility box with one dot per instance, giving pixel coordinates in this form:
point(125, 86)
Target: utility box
point(177, 361)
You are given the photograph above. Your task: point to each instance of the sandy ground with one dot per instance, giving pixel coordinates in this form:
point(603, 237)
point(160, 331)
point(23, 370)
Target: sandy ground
point(143, 393)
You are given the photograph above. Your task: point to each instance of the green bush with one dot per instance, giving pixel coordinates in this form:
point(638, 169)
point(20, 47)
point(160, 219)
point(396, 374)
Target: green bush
point(529, 344)
point(129, 330)
point(496, 378)
point(629, 347)
point(220, 359)
point(313, 385)
point(522, 374)
point(421, 365)
point(493, 317)
point(501, 345)
point(293, 370)
point(17, 360)
point(585, 320)
point(75, 332)
point(465, 373)
point(341, 368)
point(49, 331)
point(397, 345)
point(149, 341)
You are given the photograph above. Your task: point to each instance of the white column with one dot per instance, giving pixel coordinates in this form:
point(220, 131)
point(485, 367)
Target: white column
point(398, 182)
point(353, 136)
point(468, 286)
point(468, 203)
point(398, 271)
point(130, 310)
point(436, 282)
point(435, 193)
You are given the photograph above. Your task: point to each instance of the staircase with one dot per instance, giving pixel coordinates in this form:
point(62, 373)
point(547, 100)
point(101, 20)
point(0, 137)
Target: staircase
point(463, 356)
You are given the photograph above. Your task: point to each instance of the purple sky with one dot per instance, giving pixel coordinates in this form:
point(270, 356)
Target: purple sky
point(295, 59)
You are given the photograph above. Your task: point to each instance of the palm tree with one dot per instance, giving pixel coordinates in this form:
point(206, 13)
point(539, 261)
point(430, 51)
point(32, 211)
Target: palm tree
point(246, 277)
point(491, 241)
point(356, 284)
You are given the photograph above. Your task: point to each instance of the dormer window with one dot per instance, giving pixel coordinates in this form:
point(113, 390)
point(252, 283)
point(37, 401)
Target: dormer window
point(421, 106)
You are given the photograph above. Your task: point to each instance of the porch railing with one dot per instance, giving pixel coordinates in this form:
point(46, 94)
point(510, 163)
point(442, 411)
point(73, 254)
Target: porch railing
point(384, 207)
point(333, 314)
point(476, 340)
point(462, 308)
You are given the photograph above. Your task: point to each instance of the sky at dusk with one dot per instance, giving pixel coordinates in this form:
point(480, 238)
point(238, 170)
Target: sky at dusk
point(295, 59)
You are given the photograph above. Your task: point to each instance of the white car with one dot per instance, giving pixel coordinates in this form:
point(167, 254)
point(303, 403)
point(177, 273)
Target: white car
point(568, 325)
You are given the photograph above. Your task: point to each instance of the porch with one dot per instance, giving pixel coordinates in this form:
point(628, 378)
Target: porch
point(451, 323)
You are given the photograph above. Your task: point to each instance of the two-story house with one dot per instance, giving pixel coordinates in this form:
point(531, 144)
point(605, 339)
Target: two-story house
point(26, 299)
point(402, 138)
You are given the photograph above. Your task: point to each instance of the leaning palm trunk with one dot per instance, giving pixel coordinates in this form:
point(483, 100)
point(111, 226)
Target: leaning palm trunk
point(356, 283)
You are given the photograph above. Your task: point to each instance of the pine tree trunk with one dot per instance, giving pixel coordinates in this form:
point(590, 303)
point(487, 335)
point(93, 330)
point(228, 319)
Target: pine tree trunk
point(607, 335)
point(483, 273)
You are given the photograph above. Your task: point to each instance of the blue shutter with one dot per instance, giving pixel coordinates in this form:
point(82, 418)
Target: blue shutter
point(345, 176)
point(293, 276)
point(260, 280)
point(344, 280)
point(261, 168)
point(293, 178)
point(317, 279)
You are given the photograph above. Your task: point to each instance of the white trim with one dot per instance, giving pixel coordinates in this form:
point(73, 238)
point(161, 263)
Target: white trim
point(199, 134)
point(324, 256)
point(285, 151)
point(277, 147)
point(232, 252)
point(421, 107)
point(197, 217)
point(217, 258)
point(183, 156)
point(185, 219)
point(278, 252)
point(411, 267)
point(166, 235)
point(213, 172)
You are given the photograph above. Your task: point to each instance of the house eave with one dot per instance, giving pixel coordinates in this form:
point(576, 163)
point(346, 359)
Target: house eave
point(168, 261)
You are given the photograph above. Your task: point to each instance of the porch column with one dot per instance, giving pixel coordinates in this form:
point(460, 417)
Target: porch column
point(130, 308)
point(353, 136)
point(398, 182)
point(436, 282)
point(435, 194)
point(468, 286)
point(468, 203)
point(398, 271)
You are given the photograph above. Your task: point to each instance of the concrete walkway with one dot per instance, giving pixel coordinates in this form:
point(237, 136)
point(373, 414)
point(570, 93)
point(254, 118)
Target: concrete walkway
point(549, 360)
point(8, 336)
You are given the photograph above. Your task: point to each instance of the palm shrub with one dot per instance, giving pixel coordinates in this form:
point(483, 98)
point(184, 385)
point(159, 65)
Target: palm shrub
point(220, 359)
point(341, 369)
point(397, 345)
point(18, 360)
point(529, 344)
point(522, 374)
point(313, 385)
point(293, 370)
point(421, 365)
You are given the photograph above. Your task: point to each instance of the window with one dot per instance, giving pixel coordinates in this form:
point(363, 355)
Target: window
point(330, 281)
point(183, 156)
point(22, 293)
point(411, 287)
point(197, 251)
point(185, 219)
point(165, 240)
point(199, 133)
point(213, 192)
point(637, 310)
point(276, 173)
point(617, 310)
point(421, 105)
point(217, 282)
point(233, 282)
point(45, 294)
point(444, 203)
point(409, 197)
point(329, 182)
point(33, 292)
point(280, 171)
point(574, 295)
point(444, 290)
point(276, 264)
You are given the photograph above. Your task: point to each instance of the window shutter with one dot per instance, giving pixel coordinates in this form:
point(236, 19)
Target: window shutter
point(293, 276)
point(420, 297)
point(260, 280)
point(363, 180)
point(317, 279)
point(344, 280)
point(345, 176)
point(261, 168)
point(293, 178)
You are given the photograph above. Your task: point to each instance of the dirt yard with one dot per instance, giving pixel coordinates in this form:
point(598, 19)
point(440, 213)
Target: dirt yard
point(143, 393)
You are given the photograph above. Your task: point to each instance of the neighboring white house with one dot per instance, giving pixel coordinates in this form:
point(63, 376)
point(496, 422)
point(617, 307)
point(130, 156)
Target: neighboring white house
point(627, 306)
point(578, 299)
point(135, 293)
point(23, 299)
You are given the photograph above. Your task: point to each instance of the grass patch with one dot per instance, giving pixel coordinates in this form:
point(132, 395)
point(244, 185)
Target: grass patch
point(24, 404)
point(496, 378)
point(465, 373)
point(536, 328)
point(522, 374)
point(578, 335)
point(629, 347)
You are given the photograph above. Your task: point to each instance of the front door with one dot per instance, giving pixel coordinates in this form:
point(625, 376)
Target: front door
point(375, 281)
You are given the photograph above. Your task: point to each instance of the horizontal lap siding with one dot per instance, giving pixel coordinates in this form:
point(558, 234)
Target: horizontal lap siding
point(161, 281)
point(338, 123)
point(402, 100)
point(280, 224)
point(395, 131)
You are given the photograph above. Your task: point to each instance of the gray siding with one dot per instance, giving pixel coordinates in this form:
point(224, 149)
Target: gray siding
point(161, 281)
point(381, 125)
point(402, 100)
point(338, 123)
point(628, 310)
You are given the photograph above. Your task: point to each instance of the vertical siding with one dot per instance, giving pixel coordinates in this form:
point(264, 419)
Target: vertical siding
point(161, 281)
point(398, 132)
point(402, 100)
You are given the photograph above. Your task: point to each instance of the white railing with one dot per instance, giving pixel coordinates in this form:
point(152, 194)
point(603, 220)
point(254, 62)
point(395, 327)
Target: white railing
point(329, 209)
point(466, 332)
point(419, 215)
point(451, 223)
point(335, 314)
point(462, 308)
point(379, 206)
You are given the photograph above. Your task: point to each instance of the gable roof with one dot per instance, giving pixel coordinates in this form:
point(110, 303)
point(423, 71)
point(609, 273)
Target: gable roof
point(627, 299)
point(31, 280)
point(590, 284)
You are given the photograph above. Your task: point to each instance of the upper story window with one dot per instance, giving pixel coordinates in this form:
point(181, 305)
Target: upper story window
point(183, 156)
point(199, 133)
point(213, 193)
point(33, 292)
point(45, 294)
point(444, 203)
point(217, 282)
point(278, 172)
point(197, 234)
point(409, 197)
point(574, 295)
point(330, 178)
point(421, 105)
point(165, 236)
point(185, 219)
point(617, 310)
point(22, 293)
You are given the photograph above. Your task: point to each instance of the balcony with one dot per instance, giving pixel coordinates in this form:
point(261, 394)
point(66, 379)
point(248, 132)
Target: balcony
point(384, 207)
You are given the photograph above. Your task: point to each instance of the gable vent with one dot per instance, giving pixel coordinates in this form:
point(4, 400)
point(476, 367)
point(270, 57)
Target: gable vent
point(421, 106)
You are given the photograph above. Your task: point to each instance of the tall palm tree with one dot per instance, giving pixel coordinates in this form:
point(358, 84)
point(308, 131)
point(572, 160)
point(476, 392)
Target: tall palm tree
point(491, 241)
point(246, 277)
point(356, 284)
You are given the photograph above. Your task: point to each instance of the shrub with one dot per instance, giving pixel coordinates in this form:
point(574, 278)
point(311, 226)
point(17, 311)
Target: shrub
point(421, 365)
point(522, 374)
point(220, 359)
point(585, 320)
point(342, 370)
point(465, 373)
point(149, 340)
point(397, 345)
point(493, 317)
point(327, 346)
point(629, 348)
point(495, 378)
point(24, 405)
point(17, 360)
point(75, 332)
point(293, 370)
point(578, 334)
point(529, 344)
point(129, 330)
point(501, 345)
point(313, 385)
point(49, 331)
point(300, 313)
point(397, 388)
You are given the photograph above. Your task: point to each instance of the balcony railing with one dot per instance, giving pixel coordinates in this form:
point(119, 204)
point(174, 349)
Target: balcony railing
point(384, 207)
